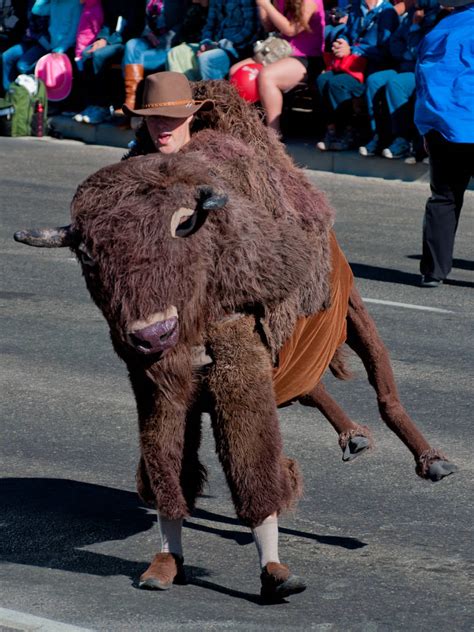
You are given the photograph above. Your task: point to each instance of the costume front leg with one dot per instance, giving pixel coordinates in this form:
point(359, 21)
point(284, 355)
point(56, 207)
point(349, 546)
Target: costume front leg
point(163, 401)
point(245, 423)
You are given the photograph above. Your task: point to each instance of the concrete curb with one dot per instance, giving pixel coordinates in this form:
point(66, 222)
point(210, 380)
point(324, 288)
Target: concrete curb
point(303, 152)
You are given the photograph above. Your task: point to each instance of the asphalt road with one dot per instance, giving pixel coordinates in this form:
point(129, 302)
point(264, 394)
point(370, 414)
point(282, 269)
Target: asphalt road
point(380, 548)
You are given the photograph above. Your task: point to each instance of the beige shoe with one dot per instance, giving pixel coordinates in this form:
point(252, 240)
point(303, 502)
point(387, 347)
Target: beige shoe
point(278, 583)
point(165, 570)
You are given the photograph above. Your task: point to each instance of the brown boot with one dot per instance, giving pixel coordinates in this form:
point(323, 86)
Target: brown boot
point(165, 570)
point(134, 73)
point(278, 583)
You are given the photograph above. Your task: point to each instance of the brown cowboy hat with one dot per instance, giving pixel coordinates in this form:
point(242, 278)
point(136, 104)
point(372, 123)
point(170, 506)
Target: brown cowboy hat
point(168, 94)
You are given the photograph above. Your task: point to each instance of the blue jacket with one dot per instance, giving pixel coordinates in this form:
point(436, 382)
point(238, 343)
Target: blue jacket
point(368, 32)
point(63, 21)
point(404, 42)
point(445, 78)
point(233, 20)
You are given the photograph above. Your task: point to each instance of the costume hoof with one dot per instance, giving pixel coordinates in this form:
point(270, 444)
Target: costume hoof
point(355, 447)
point(439, 469)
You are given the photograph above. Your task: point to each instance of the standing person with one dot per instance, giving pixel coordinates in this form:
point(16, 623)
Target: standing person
point(301, 23)
point(366, 35)
point(168, 109)
point(444, 114)
point(123, 19)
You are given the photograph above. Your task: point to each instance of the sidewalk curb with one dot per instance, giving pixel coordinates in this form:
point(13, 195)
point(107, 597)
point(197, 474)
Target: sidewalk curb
point(303, 152)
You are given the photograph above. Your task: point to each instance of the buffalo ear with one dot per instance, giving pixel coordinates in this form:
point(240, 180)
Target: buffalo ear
point(207, 200)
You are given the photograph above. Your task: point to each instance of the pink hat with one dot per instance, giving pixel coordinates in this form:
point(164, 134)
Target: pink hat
point(55, 70)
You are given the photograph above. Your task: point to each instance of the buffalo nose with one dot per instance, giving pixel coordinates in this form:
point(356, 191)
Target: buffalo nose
point(157, 337)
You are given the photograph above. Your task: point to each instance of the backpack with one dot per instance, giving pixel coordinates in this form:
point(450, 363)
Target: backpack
point(23, 113)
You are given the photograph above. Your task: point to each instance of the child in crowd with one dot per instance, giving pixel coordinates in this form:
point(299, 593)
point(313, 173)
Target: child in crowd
point(366, 34)
point(182, 57)
point(396, 87)
point(91, 21)
point(302, 25)
point(123, 19)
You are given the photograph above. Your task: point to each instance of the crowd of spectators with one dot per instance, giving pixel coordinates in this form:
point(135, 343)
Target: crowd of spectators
point(358, 60)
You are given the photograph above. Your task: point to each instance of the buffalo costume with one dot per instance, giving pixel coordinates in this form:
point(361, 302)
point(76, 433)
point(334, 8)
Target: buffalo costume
point(261, 280)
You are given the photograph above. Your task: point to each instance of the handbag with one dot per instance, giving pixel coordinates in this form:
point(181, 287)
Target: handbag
point(353, 65)
point(271, 49)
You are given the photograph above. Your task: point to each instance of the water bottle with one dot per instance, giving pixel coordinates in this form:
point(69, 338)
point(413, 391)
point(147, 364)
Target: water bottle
point(39, 118)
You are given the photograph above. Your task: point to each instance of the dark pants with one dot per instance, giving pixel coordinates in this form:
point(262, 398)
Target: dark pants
point(95, 79)
point(451, 167)
point(337, 91)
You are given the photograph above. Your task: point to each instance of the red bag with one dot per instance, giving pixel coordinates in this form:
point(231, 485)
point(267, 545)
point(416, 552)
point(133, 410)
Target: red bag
point(353, 65)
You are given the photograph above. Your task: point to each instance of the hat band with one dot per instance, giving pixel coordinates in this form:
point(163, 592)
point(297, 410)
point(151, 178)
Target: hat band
point(164, 104)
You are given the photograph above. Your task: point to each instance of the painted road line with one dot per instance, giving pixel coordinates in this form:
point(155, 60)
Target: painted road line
point(14, 620)
point(423, 308)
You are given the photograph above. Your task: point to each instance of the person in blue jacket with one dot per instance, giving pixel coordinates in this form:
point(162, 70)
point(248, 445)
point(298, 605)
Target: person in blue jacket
point(444, 114)
point(396, 87)
point(366, 34)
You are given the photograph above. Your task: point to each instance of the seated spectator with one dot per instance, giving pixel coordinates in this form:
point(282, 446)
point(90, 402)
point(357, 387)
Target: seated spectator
point(396, 87)
point(91, 21)
point(123, 19)
point(21, 58)
point(148, 52)
point(302, 25)
point(228, 35)
point(182, 57)
point(366, 34)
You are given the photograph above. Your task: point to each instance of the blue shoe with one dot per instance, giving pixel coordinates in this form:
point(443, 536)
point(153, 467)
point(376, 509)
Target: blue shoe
point(372, 147)
point(400, 148)
point(329, 139)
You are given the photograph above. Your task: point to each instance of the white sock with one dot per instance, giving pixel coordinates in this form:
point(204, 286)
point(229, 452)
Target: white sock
point(266, 539)
point(170, 531)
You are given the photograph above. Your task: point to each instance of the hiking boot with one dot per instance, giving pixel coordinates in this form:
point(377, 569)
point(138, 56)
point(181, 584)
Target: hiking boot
point(165, 570)
point(429, 281)
point(400, 148)
point(328, 140)
point(278, 583)
point(372, 148)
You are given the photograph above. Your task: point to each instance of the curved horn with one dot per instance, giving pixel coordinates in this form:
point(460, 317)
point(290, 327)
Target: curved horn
point(211, 200)
point(47, 237)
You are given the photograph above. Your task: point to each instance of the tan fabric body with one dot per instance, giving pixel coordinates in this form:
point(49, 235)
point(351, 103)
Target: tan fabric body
point(307, 354)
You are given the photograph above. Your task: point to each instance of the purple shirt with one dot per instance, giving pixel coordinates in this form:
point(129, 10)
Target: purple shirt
point(307, 43)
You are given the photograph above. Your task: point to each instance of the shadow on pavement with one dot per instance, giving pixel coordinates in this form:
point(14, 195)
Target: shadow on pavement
point(461, 264)
point(47, 523)
point(389, 275)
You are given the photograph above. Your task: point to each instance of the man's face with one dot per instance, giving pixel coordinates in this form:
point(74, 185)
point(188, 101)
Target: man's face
point(169, 134)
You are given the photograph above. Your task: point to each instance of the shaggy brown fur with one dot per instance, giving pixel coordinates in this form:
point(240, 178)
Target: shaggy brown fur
point(254, 256)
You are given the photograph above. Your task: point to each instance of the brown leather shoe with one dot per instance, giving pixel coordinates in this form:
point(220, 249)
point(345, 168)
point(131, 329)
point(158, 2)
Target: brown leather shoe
point(278, 583)
point(165, 570)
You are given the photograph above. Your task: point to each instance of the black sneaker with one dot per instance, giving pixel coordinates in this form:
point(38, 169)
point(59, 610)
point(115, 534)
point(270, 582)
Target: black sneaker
point(429, 281)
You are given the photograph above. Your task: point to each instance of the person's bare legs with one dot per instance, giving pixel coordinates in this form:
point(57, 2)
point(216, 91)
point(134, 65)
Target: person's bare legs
point(273, 81)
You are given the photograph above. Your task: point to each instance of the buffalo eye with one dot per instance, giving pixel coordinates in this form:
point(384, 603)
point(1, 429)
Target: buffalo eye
point(85, 256)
